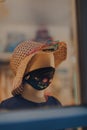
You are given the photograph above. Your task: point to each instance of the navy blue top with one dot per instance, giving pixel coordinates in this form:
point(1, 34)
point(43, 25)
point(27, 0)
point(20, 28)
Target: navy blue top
point(18, 102)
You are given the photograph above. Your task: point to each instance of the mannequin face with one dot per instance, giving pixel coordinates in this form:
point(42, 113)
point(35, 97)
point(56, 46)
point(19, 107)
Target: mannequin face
point(40, 71)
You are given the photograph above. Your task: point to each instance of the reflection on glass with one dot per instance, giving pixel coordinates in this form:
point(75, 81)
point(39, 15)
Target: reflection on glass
point(39, 21)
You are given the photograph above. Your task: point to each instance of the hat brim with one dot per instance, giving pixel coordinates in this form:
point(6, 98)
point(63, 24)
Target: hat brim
point(60, 54)
point(19, 75)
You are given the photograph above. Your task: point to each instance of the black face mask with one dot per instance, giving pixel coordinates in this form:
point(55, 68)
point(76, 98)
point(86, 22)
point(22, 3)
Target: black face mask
point(39, 78)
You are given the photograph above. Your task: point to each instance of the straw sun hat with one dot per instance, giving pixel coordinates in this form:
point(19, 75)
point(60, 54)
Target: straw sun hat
point(24, 53)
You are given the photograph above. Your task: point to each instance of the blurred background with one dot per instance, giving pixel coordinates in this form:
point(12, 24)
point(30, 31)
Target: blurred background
point(40, 20)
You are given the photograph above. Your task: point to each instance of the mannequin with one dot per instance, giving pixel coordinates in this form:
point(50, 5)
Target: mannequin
point(34, 65)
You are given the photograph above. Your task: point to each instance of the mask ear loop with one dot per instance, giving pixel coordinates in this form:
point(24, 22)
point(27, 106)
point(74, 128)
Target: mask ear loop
point(26, 77)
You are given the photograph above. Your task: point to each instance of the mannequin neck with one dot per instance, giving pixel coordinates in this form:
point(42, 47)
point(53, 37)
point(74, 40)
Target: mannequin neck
point(33, 95)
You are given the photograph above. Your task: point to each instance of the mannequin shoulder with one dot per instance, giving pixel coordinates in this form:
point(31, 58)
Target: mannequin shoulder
point(54, 101)
point(8, 102)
